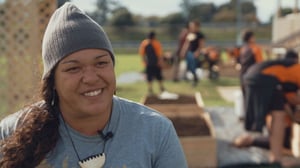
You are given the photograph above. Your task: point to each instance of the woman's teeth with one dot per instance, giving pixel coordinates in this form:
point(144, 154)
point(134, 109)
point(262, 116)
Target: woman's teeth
point(93, 93)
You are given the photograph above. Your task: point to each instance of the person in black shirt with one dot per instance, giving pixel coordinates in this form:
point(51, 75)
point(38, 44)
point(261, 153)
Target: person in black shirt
point(192, 48)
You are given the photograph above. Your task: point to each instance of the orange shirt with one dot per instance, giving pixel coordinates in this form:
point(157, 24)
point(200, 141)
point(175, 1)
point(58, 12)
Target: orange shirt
point(213, 55)
point(285, 74)
point(156, 45)
point(236, 52)
point(257, 52)
point(288, 74)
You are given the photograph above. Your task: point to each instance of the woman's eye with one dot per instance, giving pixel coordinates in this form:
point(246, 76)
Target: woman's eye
point(73, 69)
point(102, 63)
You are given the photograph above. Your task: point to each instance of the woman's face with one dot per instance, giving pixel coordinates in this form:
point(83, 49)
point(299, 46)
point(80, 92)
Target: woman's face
point(85, 83)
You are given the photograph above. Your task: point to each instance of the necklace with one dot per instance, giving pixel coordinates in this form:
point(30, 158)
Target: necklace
point(93, 161)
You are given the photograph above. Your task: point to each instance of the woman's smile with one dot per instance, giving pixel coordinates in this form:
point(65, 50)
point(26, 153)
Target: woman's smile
point(93, 93)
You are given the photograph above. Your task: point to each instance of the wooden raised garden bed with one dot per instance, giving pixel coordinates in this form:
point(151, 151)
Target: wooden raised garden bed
point(193, 126)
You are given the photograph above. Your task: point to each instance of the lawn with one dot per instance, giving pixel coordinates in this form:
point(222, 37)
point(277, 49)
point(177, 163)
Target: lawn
point(128, 63)
point(136, 91)
point(207, 89)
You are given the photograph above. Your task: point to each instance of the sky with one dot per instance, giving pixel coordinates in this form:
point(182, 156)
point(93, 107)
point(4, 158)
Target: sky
point(265, 8)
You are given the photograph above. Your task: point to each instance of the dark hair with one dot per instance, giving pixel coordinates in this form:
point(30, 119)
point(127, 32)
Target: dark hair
point(151, 35)
point(247, 36)
point(291, 54)
point(36, 134)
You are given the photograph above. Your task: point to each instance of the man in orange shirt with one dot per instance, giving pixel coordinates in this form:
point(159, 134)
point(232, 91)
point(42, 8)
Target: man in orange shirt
point(151, 52)
point(250, 54)
point(269, 88)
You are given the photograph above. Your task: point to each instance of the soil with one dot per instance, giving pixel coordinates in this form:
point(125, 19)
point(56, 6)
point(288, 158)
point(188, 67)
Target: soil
point(190, 126)
point(187, 120)
point(183, 99)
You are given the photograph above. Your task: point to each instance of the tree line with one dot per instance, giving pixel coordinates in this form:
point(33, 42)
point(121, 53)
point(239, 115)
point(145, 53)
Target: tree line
point(111, 12)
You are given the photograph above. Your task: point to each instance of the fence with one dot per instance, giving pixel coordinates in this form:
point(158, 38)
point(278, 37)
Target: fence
point(22, 23)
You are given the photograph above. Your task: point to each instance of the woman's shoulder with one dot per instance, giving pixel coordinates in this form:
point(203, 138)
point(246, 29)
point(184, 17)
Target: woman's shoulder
point(10, 123)
point(136, 110)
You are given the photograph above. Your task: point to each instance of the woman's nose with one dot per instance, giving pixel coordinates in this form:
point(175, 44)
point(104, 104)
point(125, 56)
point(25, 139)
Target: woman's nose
point(90, 76)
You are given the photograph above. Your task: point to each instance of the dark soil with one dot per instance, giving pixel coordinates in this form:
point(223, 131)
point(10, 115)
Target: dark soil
point(186, 123)
point(183, 99)
point(190, 126)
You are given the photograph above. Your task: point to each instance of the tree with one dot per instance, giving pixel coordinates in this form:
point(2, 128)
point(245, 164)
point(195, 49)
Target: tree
point(122, 17)
point(173, 19)
point(186, 6)
point(228, 11)
point(103, 10)
point(174, 23)
point(203, 11)
point(225, 15)
point(247, 7)
point(153, 21)
point(286, 11)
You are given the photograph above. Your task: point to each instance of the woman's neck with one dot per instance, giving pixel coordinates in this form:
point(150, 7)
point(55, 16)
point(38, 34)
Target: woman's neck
point(87, 125)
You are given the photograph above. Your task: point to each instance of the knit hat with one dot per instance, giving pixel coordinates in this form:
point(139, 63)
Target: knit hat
point(70, 30)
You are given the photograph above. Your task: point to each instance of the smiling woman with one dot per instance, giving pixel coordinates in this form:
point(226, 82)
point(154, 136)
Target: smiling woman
point(84, 81)
point(79, 122)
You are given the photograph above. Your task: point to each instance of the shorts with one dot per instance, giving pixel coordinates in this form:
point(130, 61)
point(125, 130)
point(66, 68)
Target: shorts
point(153, 72)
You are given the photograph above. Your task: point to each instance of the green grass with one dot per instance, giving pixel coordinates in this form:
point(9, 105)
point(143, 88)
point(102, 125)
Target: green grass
point(207, 88)
point(128, 63)
point(136, 91)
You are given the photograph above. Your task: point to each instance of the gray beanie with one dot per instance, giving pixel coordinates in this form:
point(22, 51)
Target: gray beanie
point(70, 30)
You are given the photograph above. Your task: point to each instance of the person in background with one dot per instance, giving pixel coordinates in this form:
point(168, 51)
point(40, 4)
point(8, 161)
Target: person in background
point(250, 54)
point(151, 51)
point(181, 40)
point(270, 87)
point(212, 56)
point(234, 54)
point(79, 122)
point(192, 48)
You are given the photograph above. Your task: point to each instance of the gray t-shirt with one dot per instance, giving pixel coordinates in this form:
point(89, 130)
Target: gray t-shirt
point(142, 138)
